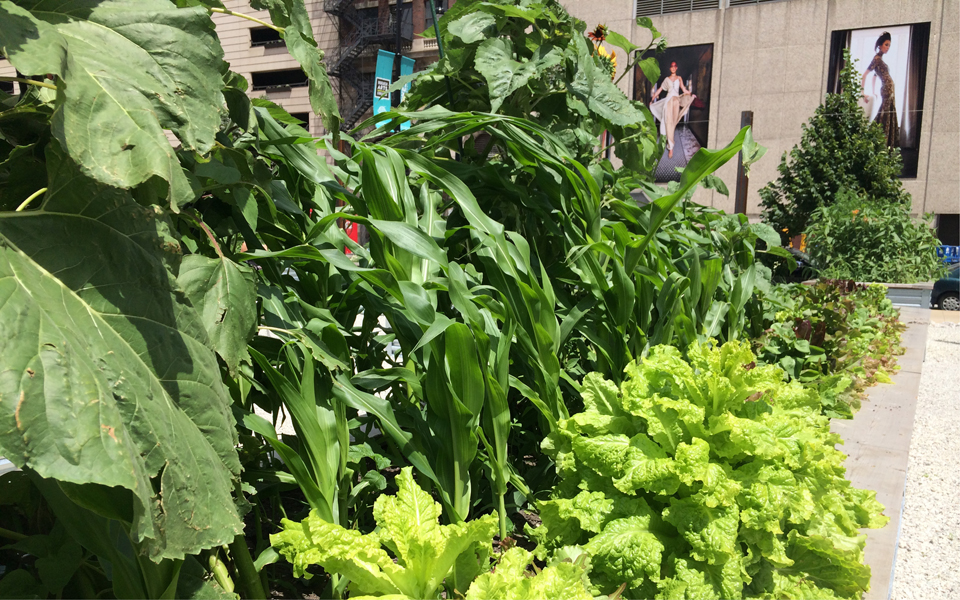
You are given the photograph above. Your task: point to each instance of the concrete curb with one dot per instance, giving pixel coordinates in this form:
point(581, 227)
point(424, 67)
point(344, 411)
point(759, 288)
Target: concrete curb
point(877, 444)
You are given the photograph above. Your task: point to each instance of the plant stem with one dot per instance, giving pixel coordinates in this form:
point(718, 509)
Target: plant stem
point(249, 580)
point(30, 199)
point(503, 519)
point(206, 230)
point(30, 82)
point(247, 17)
point(220, 571)
point(636, 58)
point(604, 149)
point(11, 535)
point(278, 329)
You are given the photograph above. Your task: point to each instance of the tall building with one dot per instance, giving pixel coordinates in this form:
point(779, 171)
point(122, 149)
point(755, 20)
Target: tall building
point(772, 59)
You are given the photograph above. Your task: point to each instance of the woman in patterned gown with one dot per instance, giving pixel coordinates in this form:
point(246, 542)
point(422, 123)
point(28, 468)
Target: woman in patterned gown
point(887, 117)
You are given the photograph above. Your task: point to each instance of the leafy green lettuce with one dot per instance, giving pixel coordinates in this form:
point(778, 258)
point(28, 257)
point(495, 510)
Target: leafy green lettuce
point(511, 581)
point(707, 477)
point(408, 527)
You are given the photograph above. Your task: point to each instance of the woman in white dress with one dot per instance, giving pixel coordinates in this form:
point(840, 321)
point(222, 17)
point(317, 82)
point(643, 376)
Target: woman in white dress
point(671, 109)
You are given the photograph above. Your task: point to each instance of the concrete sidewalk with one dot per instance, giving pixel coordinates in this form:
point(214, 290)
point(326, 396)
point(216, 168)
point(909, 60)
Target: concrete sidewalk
point(877, 443)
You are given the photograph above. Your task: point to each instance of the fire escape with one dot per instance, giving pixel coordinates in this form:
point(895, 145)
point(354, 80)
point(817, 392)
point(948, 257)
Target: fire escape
point(360, 31)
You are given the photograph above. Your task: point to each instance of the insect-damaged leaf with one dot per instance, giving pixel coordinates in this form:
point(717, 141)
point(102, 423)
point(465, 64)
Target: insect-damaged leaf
point(225, 295)
point(108, 376)
point(126, 70)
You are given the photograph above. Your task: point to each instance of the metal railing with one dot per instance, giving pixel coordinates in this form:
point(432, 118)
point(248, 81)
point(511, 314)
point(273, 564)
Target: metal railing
point(362, 33)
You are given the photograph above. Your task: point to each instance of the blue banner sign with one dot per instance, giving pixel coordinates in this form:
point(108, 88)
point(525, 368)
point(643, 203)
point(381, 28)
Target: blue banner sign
point(384, 75)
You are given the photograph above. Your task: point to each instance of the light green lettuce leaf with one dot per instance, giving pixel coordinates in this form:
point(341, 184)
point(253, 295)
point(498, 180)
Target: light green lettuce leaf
point(637, 463)
point(711, 532)
point(408, 526)
point(818, 561)
point(694, 580)
point(693, 465)
point(628, 551)
point(511, 581)
point(669, 422)
point(338, 550)
point(567, 518)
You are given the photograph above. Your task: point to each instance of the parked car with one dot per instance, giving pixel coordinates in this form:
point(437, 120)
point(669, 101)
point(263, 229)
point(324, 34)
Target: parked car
point(946, 291)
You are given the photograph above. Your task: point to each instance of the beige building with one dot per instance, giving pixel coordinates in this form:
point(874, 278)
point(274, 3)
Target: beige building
point(772, 58)
point(348, 31)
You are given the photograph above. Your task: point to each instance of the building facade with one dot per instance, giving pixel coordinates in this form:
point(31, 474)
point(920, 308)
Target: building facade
point(778, 59)
point(775, 59)
point(348, 31)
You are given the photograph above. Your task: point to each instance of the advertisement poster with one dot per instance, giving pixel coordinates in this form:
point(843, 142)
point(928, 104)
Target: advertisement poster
point(381, 94)
point(680, 102)
point(891, 63)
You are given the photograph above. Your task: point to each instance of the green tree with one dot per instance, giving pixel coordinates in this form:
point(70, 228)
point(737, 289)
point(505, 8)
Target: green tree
point(839, 149)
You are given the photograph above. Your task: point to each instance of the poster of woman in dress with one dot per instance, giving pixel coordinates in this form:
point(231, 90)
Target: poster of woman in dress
point(680, 102)
point(892, 64)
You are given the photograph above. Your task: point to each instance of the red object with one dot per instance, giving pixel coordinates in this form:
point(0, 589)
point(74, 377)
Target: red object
point(353, 232)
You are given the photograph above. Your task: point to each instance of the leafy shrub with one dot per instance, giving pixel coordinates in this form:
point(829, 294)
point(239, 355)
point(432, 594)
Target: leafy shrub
point(839, 149)
point(707, 477)
point(862, 238)
point(533, 60)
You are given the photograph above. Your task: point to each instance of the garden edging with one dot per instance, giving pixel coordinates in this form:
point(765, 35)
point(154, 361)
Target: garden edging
point(877, 443)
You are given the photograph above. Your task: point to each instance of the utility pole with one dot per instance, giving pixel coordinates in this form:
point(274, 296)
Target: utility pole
point(398, 50)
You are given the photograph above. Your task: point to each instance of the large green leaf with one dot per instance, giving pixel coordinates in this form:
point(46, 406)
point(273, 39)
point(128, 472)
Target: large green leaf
point(472, 28)
point(593, 87)
point(504, 75)
point(126, 70)
point(298, 36)
point(225, 295)
point(108, 374)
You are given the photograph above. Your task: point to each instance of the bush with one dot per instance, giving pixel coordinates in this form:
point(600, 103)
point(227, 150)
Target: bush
point(864, 239)
point(839, 149)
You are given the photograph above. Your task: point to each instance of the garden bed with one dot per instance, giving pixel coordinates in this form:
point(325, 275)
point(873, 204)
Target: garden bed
point(877, 443)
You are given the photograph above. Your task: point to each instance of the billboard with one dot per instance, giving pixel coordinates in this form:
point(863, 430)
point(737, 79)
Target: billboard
point(891, 63)
point(680, 102)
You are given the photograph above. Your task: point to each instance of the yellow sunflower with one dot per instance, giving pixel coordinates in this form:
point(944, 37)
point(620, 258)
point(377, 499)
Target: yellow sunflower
point(608, 61)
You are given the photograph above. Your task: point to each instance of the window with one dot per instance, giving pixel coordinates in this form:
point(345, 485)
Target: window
point(646, 8)
point(264, 36)
point(746, 2)
point(271, 80)
point(441, 8)
point(948, 229)
point(303, 117)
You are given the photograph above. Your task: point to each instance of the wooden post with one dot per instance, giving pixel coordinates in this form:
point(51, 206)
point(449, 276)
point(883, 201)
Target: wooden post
point(740, 203)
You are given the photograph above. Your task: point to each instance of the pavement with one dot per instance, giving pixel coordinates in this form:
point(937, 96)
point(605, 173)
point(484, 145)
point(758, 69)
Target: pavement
point(945, 316)
point(877, 444)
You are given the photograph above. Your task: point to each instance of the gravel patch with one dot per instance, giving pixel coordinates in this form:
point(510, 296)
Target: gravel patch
point(928, 555)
